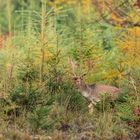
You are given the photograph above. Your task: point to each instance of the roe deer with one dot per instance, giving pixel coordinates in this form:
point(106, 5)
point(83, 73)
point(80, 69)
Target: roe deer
point(93, 92)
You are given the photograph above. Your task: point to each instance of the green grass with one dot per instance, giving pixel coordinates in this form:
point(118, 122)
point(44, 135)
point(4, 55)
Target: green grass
point(37, 96)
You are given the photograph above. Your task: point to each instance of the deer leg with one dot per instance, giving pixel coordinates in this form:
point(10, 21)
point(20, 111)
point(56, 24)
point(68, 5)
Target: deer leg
point(94, 102)
point(90, 108)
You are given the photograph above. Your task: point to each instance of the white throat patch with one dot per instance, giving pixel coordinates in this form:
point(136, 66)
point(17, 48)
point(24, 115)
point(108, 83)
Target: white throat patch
point(85, 94)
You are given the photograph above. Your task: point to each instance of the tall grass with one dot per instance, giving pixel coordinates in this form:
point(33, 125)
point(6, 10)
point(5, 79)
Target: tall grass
point(37, 96)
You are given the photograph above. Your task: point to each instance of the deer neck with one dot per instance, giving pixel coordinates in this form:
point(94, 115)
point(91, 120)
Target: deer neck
point(85, 91)
point(83, 87)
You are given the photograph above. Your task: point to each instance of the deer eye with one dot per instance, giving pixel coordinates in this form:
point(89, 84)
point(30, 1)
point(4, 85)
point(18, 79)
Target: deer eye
point(75, 78)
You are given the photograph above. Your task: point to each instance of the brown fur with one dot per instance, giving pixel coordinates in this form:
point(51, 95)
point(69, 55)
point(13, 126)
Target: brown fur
point(93, 92)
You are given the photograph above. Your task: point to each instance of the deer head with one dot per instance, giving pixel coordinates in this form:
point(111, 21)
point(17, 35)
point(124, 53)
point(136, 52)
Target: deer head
point(78, 79)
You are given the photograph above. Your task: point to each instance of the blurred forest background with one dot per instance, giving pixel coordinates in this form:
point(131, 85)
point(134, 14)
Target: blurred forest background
point(37, 97)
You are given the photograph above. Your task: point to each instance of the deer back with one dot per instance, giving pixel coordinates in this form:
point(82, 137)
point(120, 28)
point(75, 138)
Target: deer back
point(96, 90)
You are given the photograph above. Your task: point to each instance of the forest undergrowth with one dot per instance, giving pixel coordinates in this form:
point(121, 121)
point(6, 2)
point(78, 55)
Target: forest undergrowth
point(38, 99)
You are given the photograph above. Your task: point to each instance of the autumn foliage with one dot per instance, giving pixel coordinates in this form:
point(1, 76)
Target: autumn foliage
point(38, 99)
